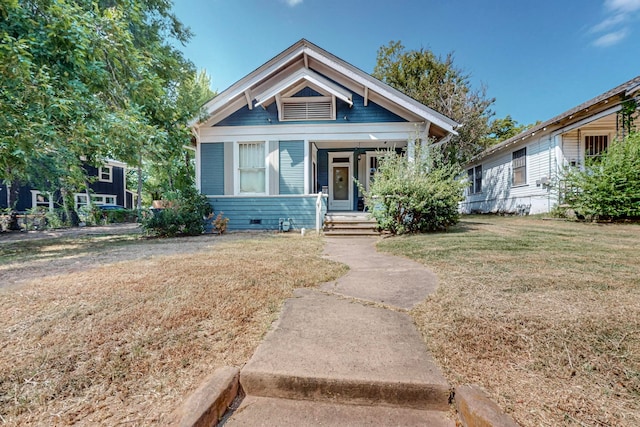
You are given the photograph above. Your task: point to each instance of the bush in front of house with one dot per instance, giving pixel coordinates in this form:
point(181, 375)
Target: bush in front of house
point(609, 186)
point(415, 195)
point(185, 215)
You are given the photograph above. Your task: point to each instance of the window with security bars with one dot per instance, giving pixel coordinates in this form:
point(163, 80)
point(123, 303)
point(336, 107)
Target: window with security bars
point(251, 167)
point(519, 167)
point(595, 145)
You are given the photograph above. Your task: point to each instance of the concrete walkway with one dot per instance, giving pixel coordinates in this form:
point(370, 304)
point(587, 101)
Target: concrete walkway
point(347, 353)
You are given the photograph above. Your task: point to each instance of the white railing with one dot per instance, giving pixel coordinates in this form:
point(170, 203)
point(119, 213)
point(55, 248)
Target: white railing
point(318, 212)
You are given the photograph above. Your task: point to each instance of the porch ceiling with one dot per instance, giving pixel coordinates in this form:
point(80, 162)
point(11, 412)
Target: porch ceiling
point(377, 145)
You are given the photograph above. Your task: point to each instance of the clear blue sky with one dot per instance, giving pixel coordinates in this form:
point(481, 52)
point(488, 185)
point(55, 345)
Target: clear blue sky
point(537, 58)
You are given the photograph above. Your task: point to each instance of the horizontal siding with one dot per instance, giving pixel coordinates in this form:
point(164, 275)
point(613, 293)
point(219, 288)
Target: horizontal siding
point(212, 168)
point(241, 210)
point(498, 195)
point(291, 167)
point(358, 113)
point(571, 146)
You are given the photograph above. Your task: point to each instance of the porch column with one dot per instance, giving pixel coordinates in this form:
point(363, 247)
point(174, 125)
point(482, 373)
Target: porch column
point(307, 167)
point(411, 149)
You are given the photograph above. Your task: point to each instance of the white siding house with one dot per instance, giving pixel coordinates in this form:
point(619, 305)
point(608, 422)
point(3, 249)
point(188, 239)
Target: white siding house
point(522, 174)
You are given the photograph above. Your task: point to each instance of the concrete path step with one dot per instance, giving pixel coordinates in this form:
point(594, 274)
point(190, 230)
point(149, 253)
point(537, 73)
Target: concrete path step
point(264, 411)
point(328, 348)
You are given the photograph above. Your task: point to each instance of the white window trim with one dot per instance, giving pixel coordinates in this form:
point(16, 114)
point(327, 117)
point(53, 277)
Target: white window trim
point(369, 155)
point(34, 199)
point(236, 168)
point(102, 169)
point(526, 168)
point(472, 185)
point(96, 199)
point(585, 134)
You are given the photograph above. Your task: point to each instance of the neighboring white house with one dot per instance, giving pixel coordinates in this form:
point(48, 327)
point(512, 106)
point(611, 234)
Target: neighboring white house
point(521, 174)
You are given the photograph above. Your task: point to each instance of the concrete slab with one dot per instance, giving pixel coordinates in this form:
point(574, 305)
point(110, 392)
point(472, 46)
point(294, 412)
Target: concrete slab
point(324, 347)
point(376, 277)
point(261, 411)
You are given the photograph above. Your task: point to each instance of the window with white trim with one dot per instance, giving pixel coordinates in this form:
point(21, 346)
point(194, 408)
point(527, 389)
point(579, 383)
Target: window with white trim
point(251, 167)
point(519, 167)
point(475, 179)
point(595, 145)
point(96, 199)
point(105, 174)
point(39, 198)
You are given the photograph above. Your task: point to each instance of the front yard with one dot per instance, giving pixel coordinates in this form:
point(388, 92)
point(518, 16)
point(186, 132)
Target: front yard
point(544, 314)
point(111, 330)
point(118, 329)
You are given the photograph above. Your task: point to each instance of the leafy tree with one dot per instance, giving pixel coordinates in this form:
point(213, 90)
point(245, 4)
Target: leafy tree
point(438, 83)
point(505, 128)
point(415, 195)
point(83, 80)
point(609, 186)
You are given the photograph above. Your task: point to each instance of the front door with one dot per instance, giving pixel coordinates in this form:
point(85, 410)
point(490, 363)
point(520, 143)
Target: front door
point(340, 181)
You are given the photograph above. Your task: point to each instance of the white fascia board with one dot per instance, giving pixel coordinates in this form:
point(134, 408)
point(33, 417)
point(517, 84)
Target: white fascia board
point(587, 120)
point(316, 132)
point(238, 88)
point(310, 76)
point(403, 100)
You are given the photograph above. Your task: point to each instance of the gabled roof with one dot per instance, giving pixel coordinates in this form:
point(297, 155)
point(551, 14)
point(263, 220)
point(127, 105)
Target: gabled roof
point(264, 83)
point(580, 112)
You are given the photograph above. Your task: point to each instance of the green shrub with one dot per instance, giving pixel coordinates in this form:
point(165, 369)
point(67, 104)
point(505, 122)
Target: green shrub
point(415, 195)
point(609, 186)
point(185, 215)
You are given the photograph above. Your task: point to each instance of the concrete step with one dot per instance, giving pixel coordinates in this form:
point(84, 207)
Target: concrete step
point(349, 225)
point(264, 411)
point(328, 349)
point(351, 232)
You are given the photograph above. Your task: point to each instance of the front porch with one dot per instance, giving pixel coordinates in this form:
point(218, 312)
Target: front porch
point(338, 167)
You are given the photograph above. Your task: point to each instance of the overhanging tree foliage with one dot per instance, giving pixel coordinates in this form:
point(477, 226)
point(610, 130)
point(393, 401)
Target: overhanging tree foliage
point(83, 80)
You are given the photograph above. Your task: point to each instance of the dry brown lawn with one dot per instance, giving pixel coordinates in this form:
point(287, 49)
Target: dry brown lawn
point(117, 330)
point(545, 315)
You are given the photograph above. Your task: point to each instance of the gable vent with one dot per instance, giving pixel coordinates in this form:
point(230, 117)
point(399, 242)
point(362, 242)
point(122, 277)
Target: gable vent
point(307, 108)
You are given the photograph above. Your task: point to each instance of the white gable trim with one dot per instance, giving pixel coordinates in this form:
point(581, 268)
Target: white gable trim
point(311, 77)
point(302, 50)
point(374, 84)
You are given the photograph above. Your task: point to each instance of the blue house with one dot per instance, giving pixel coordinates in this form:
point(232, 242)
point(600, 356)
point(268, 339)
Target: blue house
point(108, 186)
point(288, 141)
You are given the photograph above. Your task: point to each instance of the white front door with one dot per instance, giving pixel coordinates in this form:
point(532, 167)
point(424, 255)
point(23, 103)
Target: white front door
point(340, 181)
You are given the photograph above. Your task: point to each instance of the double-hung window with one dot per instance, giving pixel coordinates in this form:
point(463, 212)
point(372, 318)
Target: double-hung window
point(105, 174)
point(519, 167)
point(475, 179)
point(251, 167)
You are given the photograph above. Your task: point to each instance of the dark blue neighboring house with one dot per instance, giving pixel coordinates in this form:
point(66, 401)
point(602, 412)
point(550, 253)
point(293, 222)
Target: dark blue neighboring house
point(304, 123)
point(108, 187)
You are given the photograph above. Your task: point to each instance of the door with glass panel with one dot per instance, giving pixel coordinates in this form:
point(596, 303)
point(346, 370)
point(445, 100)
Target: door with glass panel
point(340, 181)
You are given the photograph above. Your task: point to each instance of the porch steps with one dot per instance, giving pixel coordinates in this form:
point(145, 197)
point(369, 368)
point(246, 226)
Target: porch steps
point(349, 224)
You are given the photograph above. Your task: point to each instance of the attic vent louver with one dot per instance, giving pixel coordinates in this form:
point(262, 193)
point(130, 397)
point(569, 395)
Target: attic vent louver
point(308, 108)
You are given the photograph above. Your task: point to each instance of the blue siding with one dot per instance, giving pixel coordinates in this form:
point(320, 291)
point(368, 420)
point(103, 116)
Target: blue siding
point(291, 167)
point(268, 210)
point(116, 186)
point(212, 168)
point(358, 113)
